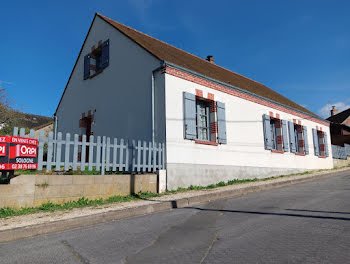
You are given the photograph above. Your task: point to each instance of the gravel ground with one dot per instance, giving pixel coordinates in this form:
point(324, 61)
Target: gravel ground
point(45, 217)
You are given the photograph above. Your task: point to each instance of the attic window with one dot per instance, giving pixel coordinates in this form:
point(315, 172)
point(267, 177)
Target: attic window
point(97, 60)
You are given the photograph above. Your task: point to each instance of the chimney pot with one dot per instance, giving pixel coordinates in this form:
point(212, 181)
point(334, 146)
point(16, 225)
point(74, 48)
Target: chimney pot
point(334, 110)
point(210, 58)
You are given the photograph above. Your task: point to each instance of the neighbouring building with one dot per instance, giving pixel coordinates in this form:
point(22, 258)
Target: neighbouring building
point(217, 125)
point(340, 126)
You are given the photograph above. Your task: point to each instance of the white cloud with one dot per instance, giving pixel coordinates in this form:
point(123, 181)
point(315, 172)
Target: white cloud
point(325, 110)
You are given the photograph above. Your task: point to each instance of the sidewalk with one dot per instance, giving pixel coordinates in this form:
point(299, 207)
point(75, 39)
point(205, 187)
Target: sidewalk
point(18, 227)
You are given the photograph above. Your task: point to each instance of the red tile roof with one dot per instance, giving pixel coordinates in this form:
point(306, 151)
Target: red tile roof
point(168, 53)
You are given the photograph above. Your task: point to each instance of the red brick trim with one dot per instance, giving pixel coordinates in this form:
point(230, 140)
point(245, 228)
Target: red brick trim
point(206, 142)
point(199, 93)
point(277, 151)
point(213, 127)
point(322, 157)
point(222, 88)
point(300, 154)
point(210, 96)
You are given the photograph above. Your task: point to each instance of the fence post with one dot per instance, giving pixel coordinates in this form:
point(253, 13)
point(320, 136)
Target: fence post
point(108, 153)
point(49, 151)
point(139, 148)
point(103, 155)
point(75, 152)
point(98, 153)
point(41, 150)
point(154, 156)
point(127, 156)
point(32, 133)
point(58, 150)
point(121, 152)
point(91, 152)
point(115, 148)
point(163, 156)
point(66, 154)
point(83, 153)
point(149, 163)
point(15, 131)
point(22, 132)
point(144, 157)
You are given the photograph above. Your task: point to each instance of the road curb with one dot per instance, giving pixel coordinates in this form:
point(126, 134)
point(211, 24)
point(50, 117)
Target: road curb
point(89, 220)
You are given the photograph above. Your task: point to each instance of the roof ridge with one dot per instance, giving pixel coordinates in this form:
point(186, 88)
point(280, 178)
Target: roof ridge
point(180, 49)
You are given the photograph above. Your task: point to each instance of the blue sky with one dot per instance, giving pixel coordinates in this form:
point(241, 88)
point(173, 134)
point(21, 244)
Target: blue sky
point(301, 49)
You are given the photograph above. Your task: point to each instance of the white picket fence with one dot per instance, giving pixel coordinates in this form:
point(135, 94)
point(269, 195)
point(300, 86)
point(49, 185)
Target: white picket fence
point(100, 153)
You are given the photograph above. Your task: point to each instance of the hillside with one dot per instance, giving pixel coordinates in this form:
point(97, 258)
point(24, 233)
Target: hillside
point(25, 120)
point(29, 120)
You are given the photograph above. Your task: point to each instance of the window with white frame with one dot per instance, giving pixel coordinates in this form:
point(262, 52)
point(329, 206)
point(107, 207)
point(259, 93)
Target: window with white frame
point(276, 134)
point(202, 120)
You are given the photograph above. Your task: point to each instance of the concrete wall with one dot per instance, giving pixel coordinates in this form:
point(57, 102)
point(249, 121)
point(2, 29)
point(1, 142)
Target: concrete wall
point(244, 155)
point(34, 190)
point(341, 163)
point(120, 97)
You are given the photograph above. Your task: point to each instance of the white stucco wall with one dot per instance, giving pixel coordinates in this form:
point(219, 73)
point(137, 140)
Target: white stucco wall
point(244, 155)
point(121, 94)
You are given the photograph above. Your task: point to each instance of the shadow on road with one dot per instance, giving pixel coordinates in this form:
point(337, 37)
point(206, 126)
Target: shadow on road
point(271, 213)
point(315, 211)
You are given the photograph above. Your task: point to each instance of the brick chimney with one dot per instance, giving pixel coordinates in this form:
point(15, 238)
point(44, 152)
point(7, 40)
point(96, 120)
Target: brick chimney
point(334, 110)
point(210, 59)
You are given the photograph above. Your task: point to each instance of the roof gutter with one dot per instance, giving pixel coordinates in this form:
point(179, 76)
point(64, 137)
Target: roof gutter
point(240, 90)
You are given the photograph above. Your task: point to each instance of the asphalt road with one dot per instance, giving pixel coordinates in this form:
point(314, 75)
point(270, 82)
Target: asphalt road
point(304, 223)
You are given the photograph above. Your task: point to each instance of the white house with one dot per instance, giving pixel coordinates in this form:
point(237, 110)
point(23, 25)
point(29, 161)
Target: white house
point(217, 125)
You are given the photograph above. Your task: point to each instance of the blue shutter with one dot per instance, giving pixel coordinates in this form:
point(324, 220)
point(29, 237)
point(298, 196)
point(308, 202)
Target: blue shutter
point(293, 146)
point(316, 144)
point(285, 135)
point(326, 143)
point(189, 116)
point(306, 141)
point(221, 115)
point(105, 54)
point(86, 66)
point(267, 132)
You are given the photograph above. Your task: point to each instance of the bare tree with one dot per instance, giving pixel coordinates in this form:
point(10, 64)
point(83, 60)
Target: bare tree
point(5, 109)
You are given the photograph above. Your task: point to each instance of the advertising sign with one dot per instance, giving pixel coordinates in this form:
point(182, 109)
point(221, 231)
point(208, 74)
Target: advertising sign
point(18, 153)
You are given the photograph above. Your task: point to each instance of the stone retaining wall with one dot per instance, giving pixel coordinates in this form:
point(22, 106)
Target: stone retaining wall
point(34, 190)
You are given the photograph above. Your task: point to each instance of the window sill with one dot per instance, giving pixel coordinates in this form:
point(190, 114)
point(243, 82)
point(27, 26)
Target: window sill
point(300, 154)
point(322, 157)
point(277, 151)
point(206, 142)
point(95, 74)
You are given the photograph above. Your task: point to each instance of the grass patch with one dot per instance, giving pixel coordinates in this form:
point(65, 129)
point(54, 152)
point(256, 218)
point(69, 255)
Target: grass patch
point(43, 185)
point(80, 203)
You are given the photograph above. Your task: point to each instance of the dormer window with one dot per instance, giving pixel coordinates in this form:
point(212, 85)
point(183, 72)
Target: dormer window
point(97, 60)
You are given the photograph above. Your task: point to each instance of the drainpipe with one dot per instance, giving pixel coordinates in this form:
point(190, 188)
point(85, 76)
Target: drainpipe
point(153, 100)
point(153, 112)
